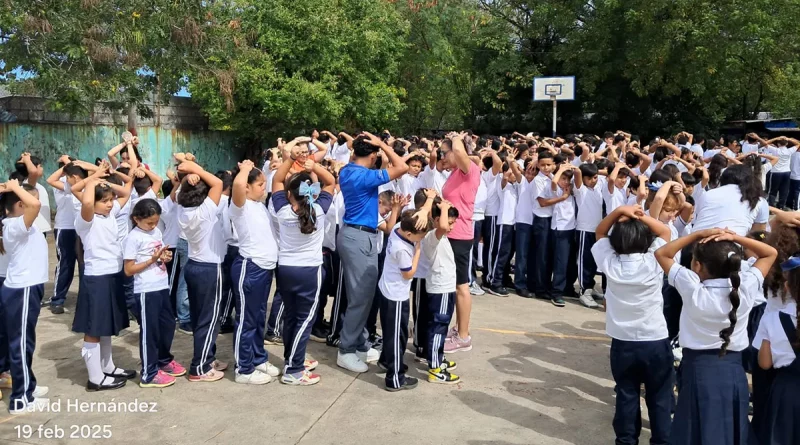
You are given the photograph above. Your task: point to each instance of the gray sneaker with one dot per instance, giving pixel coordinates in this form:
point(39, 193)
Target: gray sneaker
point(475, 289)
point(351, 362)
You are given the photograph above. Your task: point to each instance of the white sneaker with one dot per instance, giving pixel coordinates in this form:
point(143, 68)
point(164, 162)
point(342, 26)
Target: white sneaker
point(255, 378)
point(269, 369)
point(475, 289)
point(40, 391)
point(371, 356)
point(38, 405)
point(587, 300)
point(597, 295)
point(351, 362)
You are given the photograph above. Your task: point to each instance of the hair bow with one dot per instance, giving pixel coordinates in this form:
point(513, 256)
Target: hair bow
point(310, 191)
point(792, 263)
point(655, 186)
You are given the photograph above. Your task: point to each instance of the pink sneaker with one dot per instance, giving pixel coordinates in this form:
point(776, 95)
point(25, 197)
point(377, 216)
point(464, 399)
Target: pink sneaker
point(452, 332)
point(457, 344)
point(219, 365)
point(211, 376)
point(161, 380)
point(174, 369)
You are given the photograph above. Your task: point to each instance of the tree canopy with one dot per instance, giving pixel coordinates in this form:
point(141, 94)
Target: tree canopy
point(264, 67)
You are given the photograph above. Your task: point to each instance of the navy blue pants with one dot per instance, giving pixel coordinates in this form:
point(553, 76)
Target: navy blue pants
point(489, 233)
point(19, 312)
point(564, 265)
point(372, 318)
point(542, 258)
point(66, 252)
point(394, 321)
point(778, 188)
point(156, 332)
point(5, 365)
point(276, 311)
point(174, 271)
point(204, 284)
point(478, 232)
point(421, 316)
point(339, 300)
point(587, 268)
point(634, 363)
point(794, 194)
point(251, 292)
point(131, 299)
point(440, 312)
point(522, 241)
point(300, 288)
point(328, 286)
point(228, 284)
point(504, 243)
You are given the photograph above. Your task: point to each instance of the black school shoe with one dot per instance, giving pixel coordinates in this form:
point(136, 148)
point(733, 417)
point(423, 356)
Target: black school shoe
point(525, 293)
point(410, 383)
point(498, 291)
point(57, 309)
point(120, 373)
point(558, 302)
point(376, 341)
point(319, 334)
point(108, 383)
point(332, 341)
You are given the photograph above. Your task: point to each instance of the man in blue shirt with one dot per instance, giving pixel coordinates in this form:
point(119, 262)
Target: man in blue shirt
point(357, 244)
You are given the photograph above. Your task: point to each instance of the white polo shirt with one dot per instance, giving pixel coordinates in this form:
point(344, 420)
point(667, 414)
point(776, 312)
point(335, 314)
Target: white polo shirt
point(479, 211)
point(339, 153)
point(748, 147)
point(296, 248)
point(794, 166)
point(541, 189)
point(169, 216)
point(399, 259)
point(253, 226)
point(590, 206)
point(706, 306)
point(784, 155)
point(563, 212)
point(433, 178)
point(771, 329)
point(697, 149)
point(102, 247)
point(26, 252)
point(492, 196)
point(333, 219)
point(613, 200)
point(203, 232)
point(524, 213)
point(722, 207)
point(140, 246)
point(634, 304)
point(65, 207)
point(44, 199)
point(229, 231)
point(509, 195)
point(439, 253)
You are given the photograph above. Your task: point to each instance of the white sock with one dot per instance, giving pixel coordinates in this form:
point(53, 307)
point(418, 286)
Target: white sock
point(480, 254)
point(91, 356)
point(105, 355)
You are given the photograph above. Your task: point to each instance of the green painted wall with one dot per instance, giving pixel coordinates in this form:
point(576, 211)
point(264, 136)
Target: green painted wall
point(214, 149)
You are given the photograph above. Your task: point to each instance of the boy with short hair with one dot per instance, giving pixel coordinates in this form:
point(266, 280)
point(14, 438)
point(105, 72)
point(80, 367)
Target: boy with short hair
point(589, 186)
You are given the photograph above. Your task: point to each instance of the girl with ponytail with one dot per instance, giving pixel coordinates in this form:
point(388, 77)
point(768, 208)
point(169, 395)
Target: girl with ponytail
point(300, 205)
point(717, 299)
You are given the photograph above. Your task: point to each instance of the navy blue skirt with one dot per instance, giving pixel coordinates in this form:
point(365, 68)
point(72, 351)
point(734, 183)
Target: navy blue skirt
point(750, 359)
point(780, 423)
point(713, 401)
point(101, 309)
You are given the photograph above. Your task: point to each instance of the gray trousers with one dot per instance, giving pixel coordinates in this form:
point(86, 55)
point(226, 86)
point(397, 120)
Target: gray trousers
point(358, 252)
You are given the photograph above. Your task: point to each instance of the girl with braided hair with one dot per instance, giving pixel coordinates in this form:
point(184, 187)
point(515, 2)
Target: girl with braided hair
point(717, 298)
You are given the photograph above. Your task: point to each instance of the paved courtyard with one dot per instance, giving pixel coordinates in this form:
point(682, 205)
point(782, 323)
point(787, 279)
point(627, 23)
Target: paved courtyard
point(537, 375)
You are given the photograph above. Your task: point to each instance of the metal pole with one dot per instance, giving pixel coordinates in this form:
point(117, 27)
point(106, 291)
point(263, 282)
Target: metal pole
point(555, 114)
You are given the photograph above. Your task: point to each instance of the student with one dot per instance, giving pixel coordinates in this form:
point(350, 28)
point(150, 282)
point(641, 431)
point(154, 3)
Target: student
point(333, 225)
point(563, 229)
point(30, 169)
point(794, 182)
point(732, 204)
point(778, 179)
point(542, 221)
point(640, 350)
point(144, 258)
point(523, 222)
point(508, 192)
point(231, 252)
point(492, 167)
point(301, 206)
point(170, 234)
point(199, 197)
point(5, 366)
point(778, 342)
point(101, 310)
point(589, 188)
point(128, 152)
point(614, 194)
point(402, 258)
point(21, 292)
point(419, 290)
point(713, 401)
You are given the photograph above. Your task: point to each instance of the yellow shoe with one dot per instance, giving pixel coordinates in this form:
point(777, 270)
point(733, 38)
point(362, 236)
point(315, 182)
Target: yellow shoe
point(442, 375)
point(5, 380)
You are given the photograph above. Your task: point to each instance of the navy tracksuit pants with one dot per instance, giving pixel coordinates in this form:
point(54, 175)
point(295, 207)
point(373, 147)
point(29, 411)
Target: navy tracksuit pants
point(276, 311)
point(564, 269)
point(131, 300)
point(300, 288)
point(339, 300)
point(228, 285)
point(587, 268)
point(328, 286)
point(174, 271)
point(394, 321)
point(489, 233)
point(66, 252)
point(503, 245)
point(251, 291)
point(421, 316)
point(19, 312)
point(778, 188)
point(5, 365)
point(542, 256)
point(204, 284)
point(478, 231)
point(156, 331)
point(440, 309)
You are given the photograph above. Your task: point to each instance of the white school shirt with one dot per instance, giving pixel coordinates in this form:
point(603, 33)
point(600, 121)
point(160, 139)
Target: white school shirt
point(706, 306)
point(541, 189)
point(253, 226)
point(294, 247)
point(479, 210)
point(140, 246)
point(697, 149)
point(492, 196)
point(748, 147)
point(333, 219)
point(26, 250)
point(784, 155)
point(794, 166)
point(508, 202)
point(634, 304)
point(203, 231)
point(771, 329)
point(722, 207)
point(102, 247)
point(339, 153)
point(44, 199)
point(758, 298)
point(441, 278)
point(590, 206)
point(399, 258)
point(563, 212)
point(123, 218)
point(524, 214)
point(65, 207)
point(169, 216)
point(4, 259)
point(613, 200)
point(228, 229)
point(433, 178)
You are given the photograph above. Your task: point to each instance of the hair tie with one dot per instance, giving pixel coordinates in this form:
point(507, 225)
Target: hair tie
point(655, 186)
point(792, 263)
point(731, 253)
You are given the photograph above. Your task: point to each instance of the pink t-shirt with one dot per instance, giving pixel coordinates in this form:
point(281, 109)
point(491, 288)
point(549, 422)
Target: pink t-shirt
point(460, 189)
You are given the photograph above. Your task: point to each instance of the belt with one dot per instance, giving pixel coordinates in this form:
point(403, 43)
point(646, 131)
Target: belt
point(362, 228)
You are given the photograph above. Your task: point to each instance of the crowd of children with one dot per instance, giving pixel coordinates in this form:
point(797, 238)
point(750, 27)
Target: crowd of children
point(395, 229)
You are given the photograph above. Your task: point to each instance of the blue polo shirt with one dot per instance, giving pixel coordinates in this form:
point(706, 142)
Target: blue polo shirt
point(359, 186)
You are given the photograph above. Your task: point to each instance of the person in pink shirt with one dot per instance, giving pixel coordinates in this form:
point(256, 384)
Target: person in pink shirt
point(460, 190)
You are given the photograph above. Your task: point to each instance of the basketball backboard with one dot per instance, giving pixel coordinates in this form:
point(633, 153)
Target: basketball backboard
point(554, 88)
